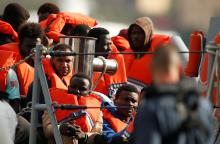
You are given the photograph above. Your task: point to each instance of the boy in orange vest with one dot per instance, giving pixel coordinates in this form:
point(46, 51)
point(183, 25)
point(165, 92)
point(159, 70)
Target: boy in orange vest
point(116, 119)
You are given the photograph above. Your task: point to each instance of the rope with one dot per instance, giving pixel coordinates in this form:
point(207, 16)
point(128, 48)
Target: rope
point(64, 53)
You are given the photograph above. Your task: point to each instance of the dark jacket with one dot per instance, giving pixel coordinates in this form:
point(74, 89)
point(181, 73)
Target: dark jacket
point(166, 116)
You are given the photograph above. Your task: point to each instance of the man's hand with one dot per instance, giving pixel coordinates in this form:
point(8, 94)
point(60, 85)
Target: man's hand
point(73, 130)
point(79, 134)
point(67, 129)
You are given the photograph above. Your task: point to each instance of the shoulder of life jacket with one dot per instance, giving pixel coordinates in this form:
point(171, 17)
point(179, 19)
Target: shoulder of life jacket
point(116, 124)
point(6, 28)
point(87, 121)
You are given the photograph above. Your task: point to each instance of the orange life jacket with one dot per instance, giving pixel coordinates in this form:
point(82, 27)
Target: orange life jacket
point(195, 44)
point(25, 74)
point(24, 71)
point(121, 43)
point(12, 47)
point(116, 124)
point(7, 59)
point(46, 22)
point(62, 97)
point(139, 69)
point(108, 81)
point(55, 80)
point(6, 28)
point(128, 130)
point(68, 18)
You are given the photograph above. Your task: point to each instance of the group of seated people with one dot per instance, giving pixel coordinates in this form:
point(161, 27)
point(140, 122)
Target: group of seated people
point(110, 122)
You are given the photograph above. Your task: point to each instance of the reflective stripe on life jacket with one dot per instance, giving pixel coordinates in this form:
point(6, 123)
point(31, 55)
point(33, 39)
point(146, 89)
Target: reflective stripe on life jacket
point(62, 97)
point(7, 58)
point(116, 124)
point(55, 80)
point(6, 28)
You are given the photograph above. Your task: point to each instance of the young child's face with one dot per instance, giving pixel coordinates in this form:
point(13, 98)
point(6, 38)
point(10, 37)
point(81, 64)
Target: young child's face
point(79, 86)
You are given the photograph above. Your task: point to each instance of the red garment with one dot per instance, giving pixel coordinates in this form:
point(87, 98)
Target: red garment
point(139, 69)
point(195, 44)
point(6, 28)
point(7, 59)
point(55, 80)
point(12, 47)
point(67, 18)
point(46, 22)
point(62, 97)
point(116, 124)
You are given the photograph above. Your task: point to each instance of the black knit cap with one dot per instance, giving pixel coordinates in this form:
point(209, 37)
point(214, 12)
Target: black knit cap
point(15, 14)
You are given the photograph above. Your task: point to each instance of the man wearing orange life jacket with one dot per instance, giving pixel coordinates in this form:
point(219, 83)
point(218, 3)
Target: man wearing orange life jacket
point(28, 33)
point(141, 39)
point(58, 70)
point(13, 16)
point(108, 84)
point(116, 120)
point(83, 128)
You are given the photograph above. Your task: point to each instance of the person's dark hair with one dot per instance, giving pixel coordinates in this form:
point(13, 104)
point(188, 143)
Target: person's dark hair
point(82, 75)
point(15, 15)
point(80, 30)
point(61, 47)
point(32, 30)
point(48, 7)
point(97, 32)
point(126, 87)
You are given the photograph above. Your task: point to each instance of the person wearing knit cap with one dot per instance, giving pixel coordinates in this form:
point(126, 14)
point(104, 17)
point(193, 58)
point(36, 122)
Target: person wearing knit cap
point(141, 38)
